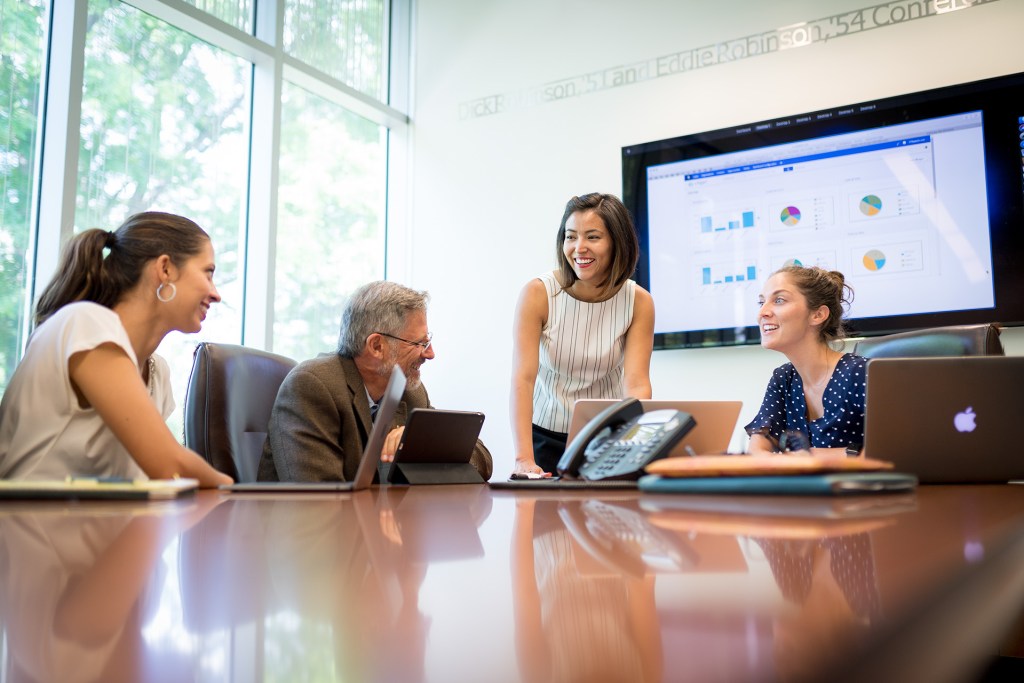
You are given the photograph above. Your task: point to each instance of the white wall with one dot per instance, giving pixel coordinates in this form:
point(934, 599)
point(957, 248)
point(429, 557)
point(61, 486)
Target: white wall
point(487, 192)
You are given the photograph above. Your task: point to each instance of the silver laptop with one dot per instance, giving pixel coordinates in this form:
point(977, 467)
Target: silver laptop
point(367, 464)
point(947, 420)
point(716, 421)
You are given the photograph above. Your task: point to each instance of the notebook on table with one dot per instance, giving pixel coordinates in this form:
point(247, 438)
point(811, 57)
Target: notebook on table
point(103, 488)
point(367, 464)
point(947, 420)
point(774, 475)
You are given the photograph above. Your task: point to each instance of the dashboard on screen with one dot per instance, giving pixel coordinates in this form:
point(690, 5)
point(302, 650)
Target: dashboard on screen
point(916, 199)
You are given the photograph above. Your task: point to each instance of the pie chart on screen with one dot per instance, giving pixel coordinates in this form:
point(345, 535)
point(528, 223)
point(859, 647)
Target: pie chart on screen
point(874, 260)
point(871, 205)
point(790, 215)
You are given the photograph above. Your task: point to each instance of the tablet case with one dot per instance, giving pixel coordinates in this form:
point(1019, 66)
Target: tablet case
point(836, 483)
point(436, 448)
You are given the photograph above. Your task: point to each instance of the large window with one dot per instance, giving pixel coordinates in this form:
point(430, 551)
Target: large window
point(197, 113)
point(273, 132)
point(238, 13)
point(165, 127)
point(330, 218)
point(21, 56)
point(345, 39)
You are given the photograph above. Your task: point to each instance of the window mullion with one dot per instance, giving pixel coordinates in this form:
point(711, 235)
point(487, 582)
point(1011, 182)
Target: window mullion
point(261, 235)
point(54, 218)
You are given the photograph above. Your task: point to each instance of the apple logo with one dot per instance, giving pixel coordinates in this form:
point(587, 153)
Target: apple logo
point(964, 422)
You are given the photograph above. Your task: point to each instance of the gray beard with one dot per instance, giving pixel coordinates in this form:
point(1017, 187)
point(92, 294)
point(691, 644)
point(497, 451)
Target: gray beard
point(385, 371)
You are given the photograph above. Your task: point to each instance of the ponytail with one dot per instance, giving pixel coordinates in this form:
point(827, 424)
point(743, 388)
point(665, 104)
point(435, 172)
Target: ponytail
point(86, 273)
point(80, 275)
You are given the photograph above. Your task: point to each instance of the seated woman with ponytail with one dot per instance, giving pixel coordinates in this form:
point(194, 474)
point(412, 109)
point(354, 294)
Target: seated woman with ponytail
point(90, 397)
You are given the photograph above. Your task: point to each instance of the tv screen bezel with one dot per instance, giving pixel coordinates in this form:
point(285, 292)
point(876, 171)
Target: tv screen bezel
point(997, 98)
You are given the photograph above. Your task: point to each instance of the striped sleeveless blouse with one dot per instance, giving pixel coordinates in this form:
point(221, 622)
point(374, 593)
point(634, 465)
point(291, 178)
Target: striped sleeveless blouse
point(582, 348)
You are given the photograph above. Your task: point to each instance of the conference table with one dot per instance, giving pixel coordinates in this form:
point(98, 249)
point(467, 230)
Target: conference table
point(466, 583)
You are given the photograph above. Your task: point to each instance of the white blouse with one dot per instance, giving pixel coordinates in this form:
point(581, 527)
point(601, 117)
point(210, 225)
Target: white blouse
point(582, 351)
point(44, 433)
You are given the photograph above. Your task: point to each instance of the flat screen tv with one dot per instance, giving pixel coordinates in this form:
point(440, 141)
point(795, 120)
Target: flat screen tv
point(917, 199)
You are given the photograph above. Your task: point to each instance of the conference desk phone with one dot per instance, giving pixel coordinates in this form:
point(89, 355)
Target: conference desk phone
point(621, 440)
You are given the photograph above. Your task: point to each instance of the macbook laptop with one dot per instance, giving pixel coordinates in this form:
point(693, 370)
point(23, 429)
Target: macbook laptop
point(947, 420)
point(716, 421)
point(367, 464)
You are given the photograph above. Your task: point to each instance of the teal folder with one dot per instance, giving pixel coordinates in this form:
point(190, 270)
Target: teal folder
point(837, 483)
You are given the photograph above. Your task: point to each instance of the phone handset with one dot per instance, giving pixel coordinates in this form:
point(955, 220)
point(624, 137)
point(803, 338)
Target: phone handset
point(599, 428)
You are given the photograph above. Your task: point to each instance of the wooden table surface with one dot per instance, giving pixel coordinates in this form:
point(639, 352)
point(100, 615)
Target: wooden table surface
point(462, 583)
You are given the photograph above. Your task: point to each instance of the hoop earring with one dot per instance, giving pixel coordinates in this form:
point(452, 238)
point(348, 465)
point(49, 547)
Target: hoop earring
point(174, 291)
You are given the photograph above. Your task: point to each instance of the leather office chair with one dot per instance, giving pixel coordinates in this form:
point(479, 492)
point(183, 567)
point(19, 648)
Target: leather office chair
point(956, 340)
point(230, 394)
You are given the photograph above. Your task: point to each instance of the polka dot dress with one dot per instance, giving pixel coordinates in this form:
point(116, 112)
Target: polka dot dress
point(850, 561)
point(785, 409)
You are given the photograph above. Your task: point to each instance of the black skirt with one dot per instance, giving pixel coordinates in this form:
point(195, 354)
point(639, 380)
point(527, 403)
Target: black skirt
point(548, 447)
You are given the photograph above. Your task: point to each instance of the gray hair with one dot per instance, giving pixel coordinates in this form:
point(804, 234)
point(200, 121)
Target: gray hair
point(379, 306)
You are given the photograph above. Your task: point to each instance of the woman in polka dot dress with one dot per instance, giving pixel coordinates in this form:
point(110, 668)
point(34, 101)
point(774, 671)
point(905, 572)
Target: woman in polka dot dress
point(816, 400)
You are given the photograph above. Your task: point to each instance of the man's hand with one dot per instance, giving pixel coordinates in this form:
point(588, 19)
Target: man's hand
point(391, 442)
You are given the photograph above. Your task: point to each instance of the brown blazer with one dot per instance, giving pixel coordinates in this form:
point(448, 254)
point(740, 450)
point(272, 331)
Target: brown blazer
point(321, 421)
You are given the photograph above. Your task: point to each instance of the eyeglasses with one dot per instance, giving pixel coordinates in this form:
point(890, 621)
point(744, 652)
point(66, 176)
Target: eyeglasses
point(424, 345)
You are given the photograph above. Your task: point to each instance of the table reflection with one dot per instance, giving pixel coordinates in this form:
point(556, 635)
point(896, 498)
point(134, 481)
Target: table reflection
point(821, 559)
point(412, 584)
point(79, 585)
point(583, 596)
point(831, 585)
point(340, 571)
point(329, 584)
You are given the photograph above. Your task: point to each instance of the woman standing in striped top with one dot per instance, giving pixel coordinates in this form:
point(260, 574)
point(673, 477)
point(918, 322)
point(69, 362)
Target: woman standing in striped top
point(583, 331)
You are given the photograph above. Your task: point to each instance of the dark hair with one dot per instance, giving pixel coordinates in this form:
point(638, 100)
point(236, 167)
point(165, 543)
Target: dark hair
point(618, 222)
point(85, 273)
point(381, 307)
point(823, 288)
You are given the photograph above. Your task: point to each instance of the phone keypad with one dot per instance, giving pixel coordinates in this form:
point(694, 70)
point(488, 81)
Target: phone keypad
point(616, 458)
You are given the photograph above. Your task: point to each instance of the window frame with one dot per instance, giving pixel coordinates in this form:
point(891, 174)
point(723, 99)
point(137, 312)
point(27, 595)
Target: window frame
point(52, 222)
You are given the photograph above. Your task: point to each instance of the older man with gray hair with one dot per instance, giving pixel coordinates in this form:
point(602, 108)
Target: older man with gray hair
point(324, 410)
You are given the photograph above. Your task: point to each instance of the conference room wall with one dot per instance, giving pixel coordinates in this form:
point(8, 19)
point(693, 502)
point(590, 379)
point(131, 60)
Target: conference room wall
point(487, 190)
